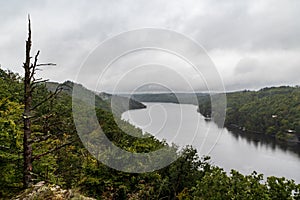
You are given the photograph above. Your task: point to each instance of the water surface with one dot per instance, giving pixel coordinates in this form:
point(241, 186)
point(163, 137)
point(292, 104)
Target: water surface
point(183, 125)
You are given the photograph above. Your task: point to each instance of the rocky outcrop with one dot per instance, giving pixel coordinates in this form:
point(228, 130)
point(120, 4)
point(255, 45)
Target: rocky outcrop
point(41, 191)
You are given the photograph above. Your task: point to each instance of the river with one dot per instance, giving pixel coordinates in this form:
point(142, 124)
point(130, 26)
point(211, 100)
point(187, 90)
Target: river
point(183, 125)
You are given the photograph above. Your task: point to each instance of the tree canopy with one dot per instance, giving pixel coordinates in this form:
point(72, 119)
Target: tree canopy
point(72, 166)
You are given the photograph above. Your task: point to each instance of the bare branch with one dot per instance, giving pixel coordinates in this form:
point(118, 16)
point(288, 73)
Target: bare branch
point(35, 59)
point(33, 66)
point(43, 117)
point(28, 116)
point(42, 138)
point(56, 92)
point(38, 81)
point(33, 80)
point(46, 64)
point(37, 157)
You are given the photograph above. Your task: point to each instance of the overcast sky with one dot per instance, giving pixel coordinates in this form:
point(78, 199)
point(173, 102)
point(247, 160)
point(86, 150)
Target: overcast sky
point(252, 43)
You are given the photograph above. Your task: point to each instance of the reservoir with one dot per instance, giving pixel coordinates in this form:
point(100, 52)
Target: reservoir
point(183, 125)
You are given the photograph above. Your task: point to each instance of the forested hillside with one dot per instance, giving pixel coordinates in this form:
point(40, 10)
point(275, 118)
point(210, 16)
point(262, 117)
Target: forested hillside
point(59, 157)
point(272, 111)
point(102, 100)
point(184, 98)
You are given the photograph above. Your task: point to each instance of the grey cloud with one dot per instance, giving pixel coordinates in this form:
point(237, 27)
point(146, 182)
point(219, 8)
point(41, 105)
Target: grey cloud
point(274, 70)
point(238, 25)
point(67, 31)
point(246, 65)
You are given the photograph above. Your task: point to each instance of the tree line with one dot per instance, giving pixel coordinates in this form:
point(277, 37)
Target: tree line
point(273, 111)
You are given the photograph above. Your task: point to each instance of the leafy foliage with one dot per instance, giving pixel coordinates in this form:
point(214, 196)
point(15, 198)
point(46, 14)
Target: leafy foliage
point(273, 111)
point(72, 166)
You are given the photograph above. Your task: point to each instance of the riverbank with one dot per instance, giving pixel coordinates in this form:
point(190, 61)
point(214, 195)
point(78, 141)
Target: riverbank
point(274, 112)
point(242, 151)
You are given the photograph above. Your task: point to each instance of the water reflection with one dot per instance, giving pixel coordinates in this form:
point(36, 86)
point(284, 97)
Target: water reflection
point(264, 141)
point(245, 152)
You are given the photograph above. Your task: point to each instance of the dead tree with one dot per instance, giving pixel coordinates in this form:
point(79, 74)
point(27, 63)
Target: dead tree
point(27, 149)
point(30, 83)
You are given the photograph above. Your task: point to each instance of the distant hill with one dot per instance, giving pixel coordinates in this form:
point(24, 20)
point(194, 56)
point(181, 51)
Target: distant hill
point(102, 100)
point(64, 168)
point(68, 88)
point(184, 98)
point(120, 104)
point(273, 111)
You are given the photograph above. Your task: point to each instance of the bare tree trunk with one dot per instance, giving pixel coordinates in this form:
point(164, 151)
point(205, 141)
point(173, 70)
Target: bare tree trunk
point(27, 149)
point(30, 83)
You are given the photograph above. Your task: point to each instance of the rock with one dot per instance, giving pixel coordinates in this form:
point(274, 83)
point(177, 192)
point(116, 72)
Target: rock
point(39, 184)
point(49, 192)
